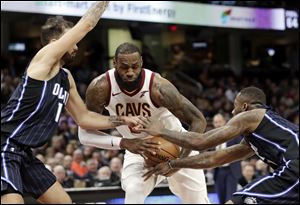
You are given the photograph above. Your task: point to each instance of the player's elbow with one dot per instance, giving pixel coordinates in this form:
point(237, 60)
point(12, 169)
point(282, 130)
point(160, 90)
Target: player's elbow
point(199, 122)
point(203, 122)
point(83, 122)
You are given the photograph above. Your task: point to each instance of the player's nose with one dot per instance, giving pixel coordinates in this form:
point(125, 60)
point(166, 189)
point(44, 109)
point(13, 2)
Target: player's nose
point(130, 73)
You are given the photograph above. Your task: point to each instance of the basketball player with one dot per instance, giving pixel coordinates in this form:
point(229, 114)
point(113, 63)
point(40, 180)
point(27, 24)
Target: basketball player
point(31, 116)
point(272, 138)
point(130, 90)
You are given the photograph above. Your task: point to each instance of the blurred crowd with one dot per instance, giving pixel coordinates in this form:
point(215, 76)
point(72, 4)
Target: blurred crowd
point(212, 91)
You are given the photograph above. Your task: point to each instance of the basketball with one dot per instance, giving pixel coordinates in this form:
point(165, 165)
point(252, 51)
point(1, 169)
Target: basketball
point(167, 152)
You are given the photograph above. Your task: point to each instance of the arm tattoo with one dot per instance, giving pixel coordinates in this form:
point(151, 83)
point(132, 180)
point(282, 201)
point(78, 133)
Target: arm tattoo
point(169, 97)
point(116, 120)
point(237, 126)
point(95, 12)
point(214, 158)
point(97, 94)
point(203, 160)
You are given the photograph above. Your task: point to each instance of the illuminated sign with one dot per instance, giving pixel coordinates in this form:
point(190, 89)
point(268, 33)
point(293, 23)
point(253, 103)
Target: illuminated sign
point(162, 12)
point(291, 19)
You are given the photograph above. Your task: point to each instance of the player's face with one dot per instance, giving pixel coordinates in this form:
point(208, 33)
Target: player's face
point(71, 54)
point(128, 66)
point(239, 105)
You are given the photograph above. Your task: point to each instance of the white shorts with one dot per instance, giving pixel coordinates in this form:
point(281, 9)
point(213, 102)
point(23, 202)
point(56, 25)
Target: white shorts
point(187, 184)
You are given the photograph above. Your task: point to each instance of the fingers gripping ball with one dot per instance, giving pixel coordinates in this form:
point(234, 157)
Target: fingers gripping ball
point(167, 151)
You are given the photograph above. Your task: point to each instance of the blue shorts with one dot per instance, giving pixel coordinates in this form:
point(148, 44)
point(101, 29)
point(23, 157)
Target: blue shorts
point(22, 172)
point(282, 187)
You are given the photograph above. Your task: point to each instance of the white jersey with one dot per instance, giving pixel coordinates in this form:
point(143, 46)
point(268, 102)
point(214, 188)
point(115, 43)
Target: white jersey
point(137, 103)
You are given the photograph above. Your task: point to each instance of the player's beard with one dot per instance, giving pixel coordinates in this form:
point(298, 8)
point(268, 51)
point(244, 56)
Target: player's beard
point(68, 58)
point(129, 85)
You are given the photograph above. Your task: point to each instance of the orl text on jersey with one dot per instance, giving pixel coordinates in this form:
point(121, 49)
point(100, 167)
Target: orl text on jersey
point(60, 92)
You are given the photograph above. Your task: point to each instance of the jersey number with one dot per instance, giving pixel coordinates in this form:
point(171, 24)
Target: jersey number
point(60, 105)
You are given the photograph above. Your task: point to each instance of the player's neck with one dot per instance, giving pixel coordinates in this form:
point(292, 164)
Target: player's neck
point(128, 86)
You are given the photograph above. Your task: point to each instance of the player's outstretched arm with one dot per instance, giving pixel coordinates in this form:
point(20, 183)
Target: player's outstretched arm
point(53, 52)
point(242, 123)
point(204, 160)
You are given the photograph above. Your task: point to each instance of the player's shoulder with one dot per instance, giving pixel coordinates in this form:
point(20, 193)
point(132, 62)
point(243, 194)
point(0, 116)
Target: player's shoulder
point(99, 82)
point(158, 80)
point(251, 118)
point(69, 74)
point(251, 115)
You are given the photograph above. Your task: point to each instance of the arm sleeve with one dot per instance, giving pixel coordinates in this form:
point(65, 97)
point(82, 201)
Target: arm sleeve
point(98, 139)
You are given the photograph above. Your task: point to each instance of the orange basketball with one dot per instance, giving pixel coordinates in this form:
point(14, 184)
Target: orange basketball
point(167, 152)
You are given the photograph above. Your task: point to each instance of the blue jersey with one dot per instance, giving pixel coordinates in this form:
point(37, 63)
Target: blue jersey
point(31, 115)
point(275, 140)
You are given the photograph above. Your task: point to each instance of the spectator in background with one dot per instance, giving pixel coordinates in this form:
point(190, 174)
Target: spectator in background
point(67, 162)
point(91, 175)
point(104, 177)
point(78, 165)
point(61, 176)
point(116, 166)
point(248, 174)
point(110, 154)
point(7, 87)
point(87, 152)
point(59, 157)
point(51, 162)
point(64, 130)
point(58, 144)
point(261, 168)
point(98, 156)
point(70, 148)
point(226, 176)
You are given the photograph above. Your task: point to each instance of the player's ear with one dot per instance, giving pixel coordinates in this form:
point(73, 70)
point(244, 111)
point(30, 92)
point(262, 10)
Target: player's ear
point(114, 62)
point(245, 106)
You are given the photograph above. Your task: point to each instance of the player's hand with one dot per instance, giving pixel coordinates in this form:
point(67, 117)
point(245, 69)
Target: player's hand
point(140, 146)
point(134, 122)
point(151, 126)
point(161, 169)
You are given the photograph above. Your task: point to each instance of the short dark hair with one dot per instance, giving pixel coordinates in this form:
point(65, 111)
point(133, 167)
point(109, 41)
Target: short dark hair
point(127, 48)
point(54, 28)
point(254, 95)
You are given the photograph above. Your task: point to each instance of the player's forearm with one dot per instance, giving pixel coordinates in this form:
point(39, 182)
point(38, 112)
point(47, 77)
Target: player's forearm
point(95, 121)
point(197, 125)
point(184, 139)
point(214, 158)
point(197, 141)
point(94, 13)
point(98, 139)
point(201, 161)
